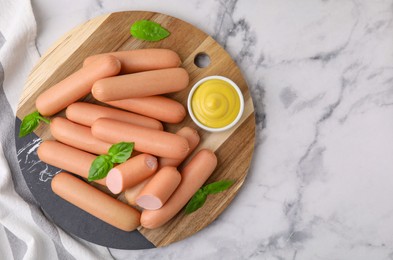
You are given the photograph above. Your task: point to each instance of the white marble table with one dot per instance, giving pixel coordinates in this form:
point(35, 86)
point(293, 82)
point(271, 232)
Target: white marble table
point(321, 76)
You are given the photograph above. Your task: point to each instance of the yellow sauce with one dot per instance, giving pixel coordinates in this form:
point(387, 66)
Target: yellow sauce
point(215, 103)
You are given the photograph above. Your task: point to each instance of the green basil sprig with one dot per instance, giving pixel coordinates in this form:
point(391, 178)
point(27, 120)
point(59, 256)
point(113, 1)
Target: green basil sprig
point(117, 153)
point(31, 122)
point(148, 31)
point(200, 196)
point(100, 167)
point(120, 152)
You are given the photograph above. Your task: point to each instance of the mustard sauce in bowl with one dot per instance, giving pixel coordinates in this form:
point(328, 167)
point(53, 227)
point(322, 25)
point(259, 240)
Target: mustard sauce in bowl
point(215, 103)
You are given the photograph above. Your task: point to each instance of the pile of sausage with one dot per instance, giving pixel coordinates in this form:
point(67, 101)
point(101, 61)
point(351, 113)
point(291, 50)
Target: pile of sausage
point(132, 81)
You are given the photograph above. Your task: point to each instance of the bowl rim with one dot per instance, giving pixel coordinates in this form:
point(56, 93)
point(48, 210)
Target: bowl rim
point(214, 129)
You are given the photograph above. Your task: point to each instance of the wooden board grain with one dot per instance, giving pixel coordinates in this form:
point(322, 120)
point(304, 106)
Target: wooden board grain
point(108, 33)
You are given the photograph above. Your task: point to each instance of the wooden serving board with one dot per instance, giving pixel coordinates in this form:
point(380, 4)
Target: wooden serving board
point(108, 33)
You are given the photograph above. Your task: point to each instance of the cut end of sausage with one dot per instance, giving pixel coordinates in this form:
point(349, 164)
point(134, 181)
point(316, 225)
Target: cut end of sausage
point(114, 181)
point(149, 202)
point(151, 162)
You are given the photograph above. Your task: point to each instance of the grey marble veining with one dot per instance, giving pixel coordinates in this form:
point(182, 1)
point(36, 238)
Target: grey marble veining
point(321, 78)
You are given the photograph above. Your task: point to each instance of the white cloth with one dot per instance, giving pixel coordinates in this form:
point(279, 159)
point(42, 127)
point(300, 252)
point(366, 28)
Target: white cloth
point(25, 233)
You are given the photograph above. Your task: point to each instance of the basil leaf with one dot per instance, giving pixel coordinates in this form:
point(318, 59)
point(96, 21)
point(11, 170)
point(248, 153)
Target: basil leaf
point(200, 196)
point(218, 186)
point(148, 31)
point(30, 123)
point(46, 120)
point(120, 152)
point(100, 167)
point(196, 201)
